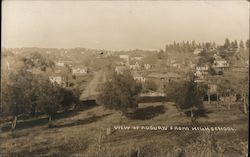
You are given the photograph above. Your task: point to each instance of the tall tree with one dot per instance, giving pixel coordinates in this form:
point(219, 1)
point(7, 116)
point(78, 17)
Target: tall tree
point(247, 43)
point(120, 92)
point(241, 44)
point(16, 91)
point(227, 43)
point(50, 98)
point(187, 95)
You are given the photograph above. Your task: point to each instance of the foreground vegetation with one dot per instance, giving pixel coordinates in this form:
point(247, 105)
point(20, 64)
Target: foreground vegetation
point(84, 133)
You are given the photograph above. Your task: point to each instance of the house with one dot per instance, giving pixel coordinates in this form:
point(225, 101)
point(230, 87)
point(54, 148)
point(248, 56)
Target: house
point(79, 70)
point(215, 56)
point(201, 72)
point(197, 51)
point(147, 66)
point(220, 63)
point(60, 75)
point(126, 57)
point(135, 66)
point(60, 63)
point(199, 75)
point(120, 69)
point(58, 79)
point(137, 58)
point(138, 77)
point(202, 68)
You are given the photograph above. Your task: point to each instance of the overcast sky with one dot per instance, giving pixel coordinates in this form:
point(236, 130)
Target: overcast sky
point(121, 25)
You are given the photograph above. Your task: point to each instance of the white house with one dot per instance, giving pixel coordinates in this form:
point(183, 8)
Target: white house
point(126, 57)
point(61, 64)
point(79, 70)
point(199, 74)
point(202, 68)
point(220, 63)
point(197, 51)
point(137, 58)
point(138, 77)
point(147, 66)
point(134, 66)
point(58, 79)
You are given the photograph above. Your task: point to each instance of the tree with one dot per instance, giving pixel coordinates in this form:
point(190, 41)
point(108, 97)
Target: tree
point(25, 91)
point(235, 45)
point(150, 85)
point(70, 97)
point(120, 92)
point(227, 43)
point(241, 44)
point(37, 60)
point(247, 43)
point(160, 54)
point(187, 95)
point(16, 92)
point(50, 98)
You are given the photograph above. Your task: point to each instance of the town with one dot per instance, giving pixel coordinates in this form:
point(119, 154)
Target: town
point(222, 70)
point(124, 78)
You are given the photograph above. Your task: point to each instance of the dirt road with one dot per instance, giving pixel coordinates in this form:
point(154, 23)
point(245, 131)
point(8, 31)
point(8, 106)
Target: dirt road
point(90, 91)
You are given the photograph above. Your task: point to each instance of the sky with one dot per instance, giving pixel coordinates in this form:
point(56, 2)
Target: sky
point(121, 25)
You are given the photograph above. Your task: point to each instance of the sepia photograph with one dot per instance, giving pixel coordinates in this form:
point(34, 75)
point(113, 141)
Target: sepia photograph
point(136, 78)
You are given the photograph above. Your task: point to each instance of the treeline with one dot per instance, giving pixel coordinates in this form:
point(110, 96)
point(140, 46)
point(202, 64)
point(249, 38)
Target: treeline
point(186, 46)
point(27, 91)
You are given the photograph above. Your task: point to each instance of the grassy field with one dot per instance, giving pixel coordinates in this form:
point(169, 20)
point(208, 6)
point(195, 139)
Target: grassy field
point(83, 132)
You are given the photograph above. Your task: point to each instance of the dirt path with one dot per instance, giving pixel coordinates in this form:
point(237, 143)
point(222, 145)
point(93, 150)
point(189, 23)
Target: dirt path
point(91, 87)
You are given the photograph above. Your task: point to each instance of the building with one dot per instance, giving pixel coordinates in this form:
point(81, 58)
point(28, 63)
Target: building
point(203, 68)
point(60, 63)
point(79, 70)
point(126, 57)
point(120, 69)
point(137, 58)
point(200, 73)
point(197, 51)
point(135, 66)
point(147, 66)
point(58, 79)
point(60, 75)
point(138, 77)
point(220, 64)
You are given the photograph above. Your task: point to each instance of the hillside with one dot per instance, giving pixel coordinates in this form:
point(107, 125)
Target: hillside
point(83, 132)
